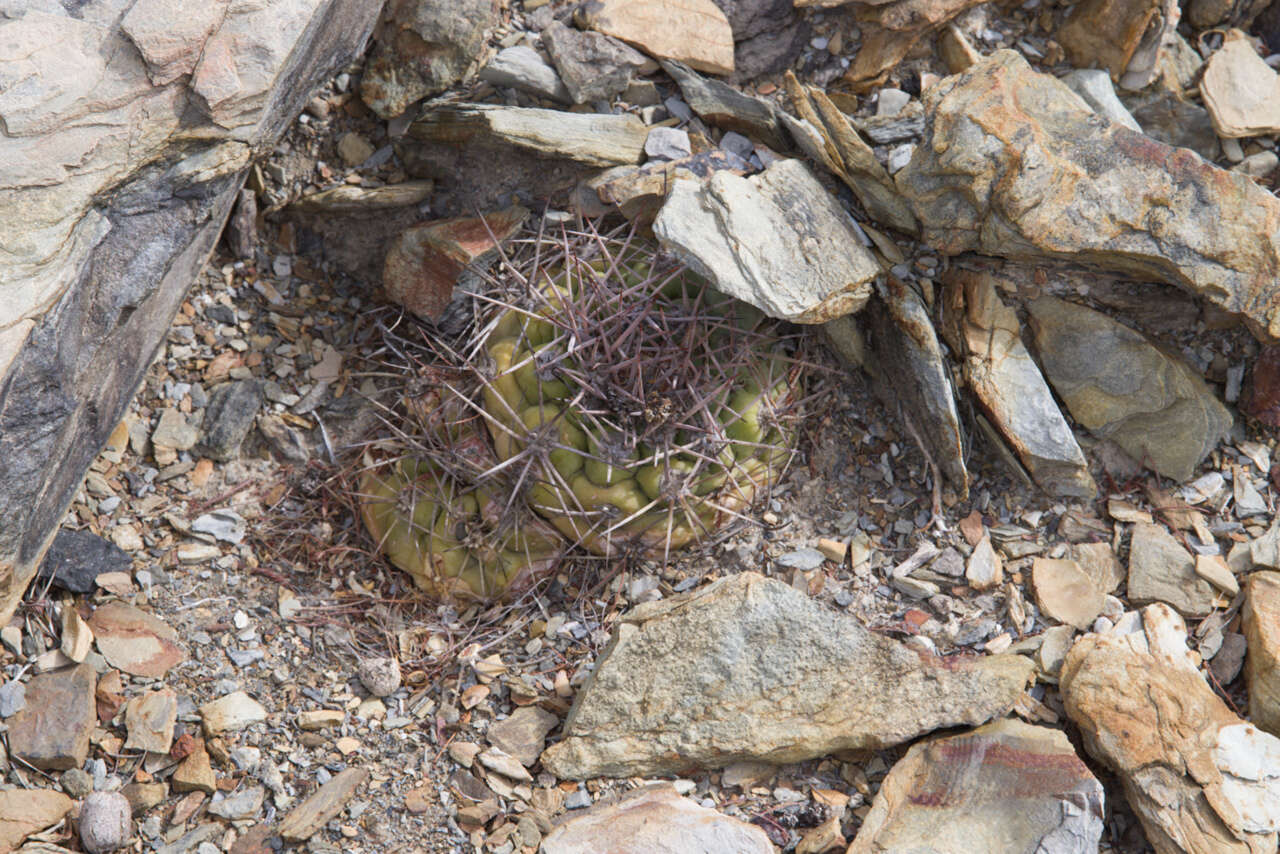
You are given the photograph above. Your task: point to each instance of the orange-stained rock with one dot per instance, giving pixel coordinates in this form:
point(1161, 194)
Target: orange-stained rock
point(1013, 163)
point(1005, 786)
point(423, 263)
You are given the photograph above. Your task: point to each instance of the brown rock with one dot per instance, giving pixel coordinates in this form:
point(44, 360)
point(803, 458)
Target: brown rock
point(1123, 36)
point(255, 840)
point(52, 731)
point(195, 773)
point(651, 819)
point(323, 804)
point(753, 642)
point(25, 811)
point(891, 30)
point(694, 32)
point(134, 641)
point(424, 263)
point(1001, 135)
point(150, 719)
point(1006, 786)
point(77, 637)
point(1011, 390)
point(523, 734)
point(1195, 774)
point(1066, 593)
point(144, 796)
point(1262, 632)
point(1240, 91)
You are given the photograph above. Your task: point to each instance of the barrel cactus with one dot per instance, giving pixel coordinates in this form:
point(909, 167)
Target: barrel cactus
point(610, 396)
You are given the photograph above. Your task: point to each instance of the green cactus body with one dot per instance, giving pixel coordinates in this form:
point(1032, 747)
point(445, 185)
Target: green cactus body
point(596, 483)
point(455, 540)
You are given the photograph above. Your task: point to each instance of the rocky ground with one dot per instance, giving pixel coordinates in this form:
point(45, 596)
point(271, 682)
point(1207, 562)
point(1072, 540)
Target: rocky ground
point(216, 657)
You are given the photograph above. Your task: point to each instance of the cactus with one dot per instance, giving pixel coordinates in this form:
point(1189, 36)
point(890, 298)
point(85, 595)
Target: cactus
point(625, 405)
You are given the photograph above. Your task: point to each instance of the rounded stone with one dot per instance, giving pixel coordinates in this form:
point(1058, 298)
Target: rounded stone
point(380, 676)
point(105, 822)
point(76, 782)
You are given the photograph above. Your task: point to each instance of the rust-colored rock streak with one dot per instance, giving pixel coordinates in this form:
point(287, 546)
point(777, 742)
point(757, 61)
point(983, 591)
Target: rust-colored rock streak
point(1015, 164)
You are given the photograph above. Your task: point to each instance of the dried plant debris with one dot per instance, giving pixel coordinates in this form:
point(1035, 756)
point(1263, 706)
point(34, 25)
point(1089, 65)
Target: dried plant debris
point(608, 394)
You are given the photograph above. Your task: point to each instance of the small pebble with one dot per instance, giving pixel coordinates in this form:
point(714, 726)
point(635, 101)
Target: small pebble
point(380, 676)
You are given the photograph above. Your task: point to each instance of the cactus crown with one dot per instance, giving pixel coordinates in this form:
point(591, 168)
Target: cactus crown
point(627, 406)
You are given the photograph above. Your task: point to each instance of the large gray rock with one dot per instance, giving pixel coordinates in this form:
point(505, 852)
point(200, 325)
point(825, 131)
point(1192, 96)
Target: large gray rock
point(422, 48)
point(1013, 163)
point(777, 240)
point(1161, 570)
point(1011, 390)
point(1006, 786)
point(1122, 387)
point(115, 179)
point(748, 668)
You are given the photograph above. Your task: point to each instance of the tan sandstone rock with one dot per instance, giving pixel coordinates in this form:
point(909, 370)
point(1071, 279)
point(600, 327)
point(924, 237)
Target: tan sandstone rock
point(778, 677)
point(1262, 632)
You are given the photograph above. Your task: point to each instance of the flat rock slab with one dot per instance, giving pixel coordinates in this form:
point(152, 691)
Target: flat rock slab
point(1121, 386)
point(1241, 92)
point(1011, 390)
point(590, 138)
point(1013, 163)
point(231, 713)
point(1161, 570)
point(749, 669)
point(655, 820)
point(694, 32)
point(76, 558)
point(776, 240)
point(1198, 777)
point(322, 805)
point(911, 372)
point(1262, 631)
point(52, 730)
point(523, 734)
point(134, 641)
point(1006, 786)
point(150, 719)
point(25, 811)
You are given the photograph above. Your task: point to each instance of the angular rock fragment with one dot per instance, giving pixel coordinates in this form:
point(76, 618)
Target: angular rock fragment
point(845, 153)
point(1161, 570)
point(1010, 388)
point(776, 240)
point(1006, 786)
point(778, 677)
point(134, 641)
point(1094, 86)
point(1123, 36)
point(25, 811)
point(1013, 163)
point(1122, 387)
point(150, 719)
point(596, 140)
point(638, 192)
point(322, 805)
point(52, 731)
point(1065, 592)
point(523, 734)
point(593, 67)
point(1262, 631)
point(423, 47)
point(1240, 91)
point(230, 713)
point(76, 558)
point(655, 819)
point(723, 106)
point(694, 32)
point(424, 263)
point(1198, 777)
point(890, 30)
point(521, 67)
point(911, 376)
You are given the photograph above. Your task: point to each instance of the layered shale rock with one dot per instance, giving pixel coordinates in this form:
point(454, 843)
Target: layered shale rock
point(125, 139)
